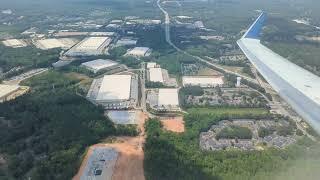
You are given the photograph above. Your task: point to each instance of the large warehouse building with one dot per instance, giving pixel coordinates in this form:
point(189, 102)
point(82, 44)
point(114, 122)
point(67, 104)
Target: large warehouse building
point(63, 43)
point(9, 92)
point(155, 75)
point(151, 65)
point(126, 42)
point(115, 91)
point(100, 64)
point(15, 43)
point(168, 99)
point(299, 87)
point(202, 81)
point(6, 90)
point(91, 46)
point(139, 52)
point(164, 99)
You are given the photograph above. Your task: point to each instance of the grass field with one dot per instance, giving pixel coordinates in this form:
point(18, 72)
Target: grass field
point(208, 72)
point(219, 111)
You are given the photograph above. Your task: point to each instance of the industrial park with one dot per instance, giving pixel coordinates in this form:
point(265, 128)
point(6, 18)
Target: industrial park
point(122, 96)
point(158, 89)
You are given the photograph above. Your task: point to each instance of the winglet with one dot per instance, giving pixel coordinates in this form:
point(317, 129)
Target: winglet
point(255, 29)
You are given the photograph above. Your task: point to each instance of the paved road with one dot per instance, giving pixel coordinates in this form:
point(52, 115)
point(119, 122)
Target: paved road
point(143, 87)
point(257, 81)
point(278, 104)
point(168, 39)
point(23, 76)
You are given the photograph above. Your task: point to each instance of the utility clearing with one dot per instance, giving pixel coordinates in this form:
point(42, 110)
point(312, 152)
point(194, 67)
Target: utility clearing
point(174, 124)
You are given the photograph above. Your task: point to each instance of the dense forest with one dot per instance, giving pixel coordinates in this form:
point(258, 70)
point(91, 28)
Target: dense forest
point(177, 156)
point(26, 57)
point(45, 133)
point(186, 91)
point(287, 39)
point(235, 132)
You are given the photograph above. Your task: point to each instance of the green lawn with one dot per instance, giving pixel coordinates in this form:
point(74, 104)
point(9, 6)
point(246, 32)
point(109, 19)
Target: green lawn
point(219, 111)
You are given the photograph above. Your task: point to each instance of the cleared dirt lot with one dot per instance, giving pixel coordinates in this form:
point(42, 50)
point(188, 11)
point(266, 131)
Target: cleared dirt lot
point(174, 124)
point(129, 165)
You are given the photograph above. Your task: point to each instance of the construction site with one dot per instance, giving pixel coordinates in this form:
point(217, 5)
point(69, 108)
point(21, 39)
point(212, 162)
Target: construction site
point(10, 92)
point(125, 117)
point(120, 159)
point(173, 124)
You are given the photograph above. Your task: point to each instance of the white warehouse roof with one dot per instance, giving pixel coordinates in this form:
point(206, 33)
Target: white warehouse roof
point(203, 81)
point(115, 87)
point(7, 89)
point(151, 65)
point(102, 33)
point(155, 75)
point(99, 64)
point(90, 46)
point(92, 43)
point(126, 42)
point(15, 43)
point(55, 43)
point(168, 97)
point(139, 51)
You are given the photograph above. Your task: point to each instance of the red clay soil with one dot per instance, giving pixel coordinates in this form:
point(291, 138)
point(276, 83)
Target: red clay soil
point(129, 165)
point(175, 124)
point(84, 162)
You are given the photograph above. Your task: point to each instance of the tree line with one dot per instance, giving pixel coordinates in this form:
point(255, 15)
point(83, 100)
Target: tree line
point(177, 156)
point(45, 133)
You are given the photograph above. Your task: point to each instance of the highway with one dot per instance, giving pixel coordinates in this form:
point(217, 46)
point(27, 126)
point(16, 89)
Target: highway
point(168, 39)
point(297, 86)
point(257, 81)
